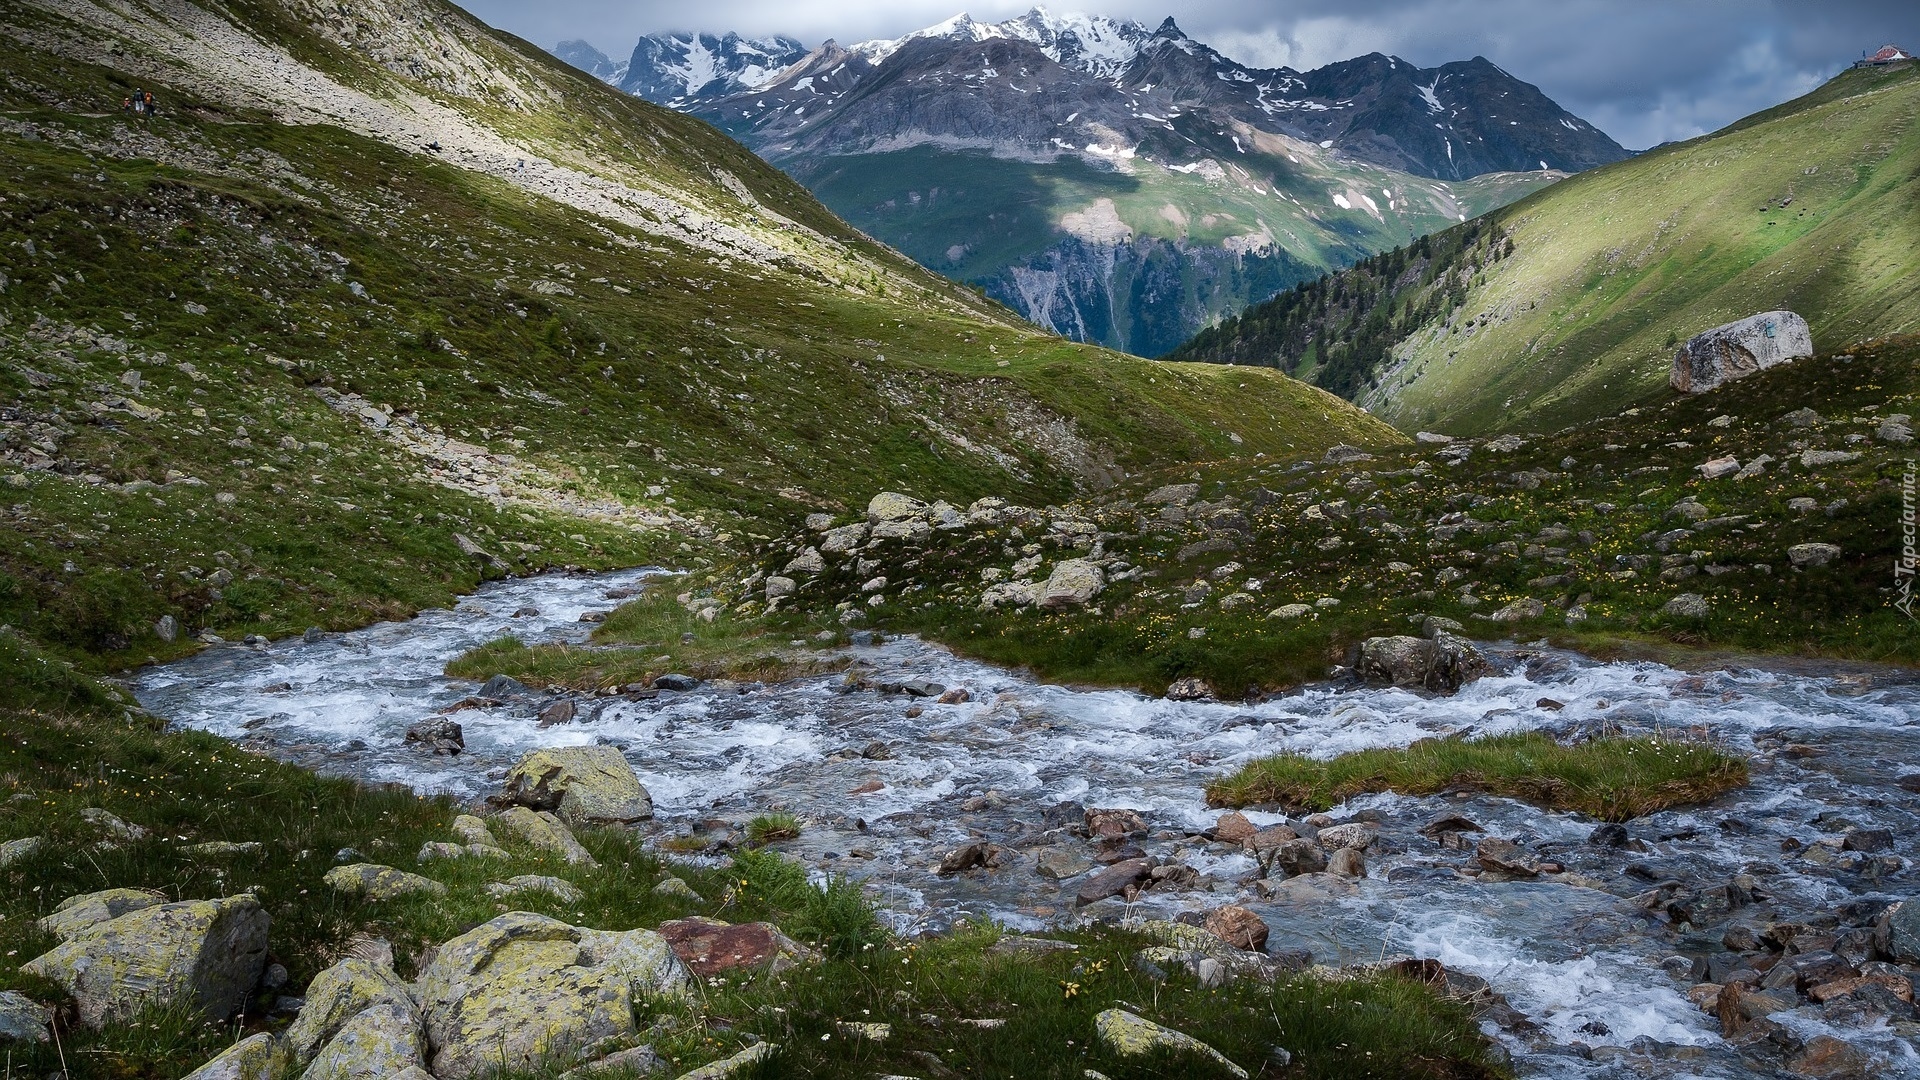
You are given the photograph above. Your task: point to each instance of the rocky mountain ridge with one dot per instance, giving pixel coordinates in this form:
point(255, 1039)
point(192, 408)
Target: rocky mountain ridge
point(1128, 185)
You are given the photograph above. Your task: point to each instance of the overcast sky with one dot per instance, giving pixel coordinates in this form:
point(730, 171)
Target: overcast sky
point(1644, 71)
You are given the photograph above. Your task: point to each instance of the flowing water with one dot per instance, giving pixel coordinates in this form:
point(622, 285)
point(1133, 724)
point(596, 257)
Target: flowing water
point(1580, 959)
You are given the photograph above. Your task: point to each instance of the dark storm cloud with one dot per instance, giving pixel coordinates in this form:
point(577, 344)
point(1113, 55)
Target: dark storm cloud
point(1642, 70)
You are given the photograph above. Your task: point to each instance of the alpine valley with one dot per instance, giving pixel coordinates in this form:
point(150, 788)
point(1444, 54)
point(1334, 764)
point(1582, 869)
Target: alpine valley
point(498, 581)
point(1115, 183)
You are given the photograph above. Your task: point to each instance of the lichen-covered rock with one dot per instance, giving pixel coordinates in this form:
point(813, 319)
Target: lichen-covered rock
point(76, 914)
point(584, 785)
point(222, 849)
point(14, 851)
point(742, 1062)
point(22, 1019)
point(522, 987)
point(561, 888)
point(207, 954)
point(1520, 610)
point(676, 888)
point(336, 996)
point(473, 830)
point(893, 506)
point(1128, 1035)
point(637, 1061)
point(844, 539)
point(255, 1057)
point(546, 832)
point(112, 825)
point(1687, 606)
point(1739, 349)
point(378, 1042)
point(1073, 583)
point(376, 882)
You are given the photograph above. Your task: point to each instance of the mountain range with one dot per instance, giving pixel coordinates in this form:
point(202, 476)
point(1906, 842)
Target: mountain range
point(1114, 182)
point(384, 301)
point(1570, 303)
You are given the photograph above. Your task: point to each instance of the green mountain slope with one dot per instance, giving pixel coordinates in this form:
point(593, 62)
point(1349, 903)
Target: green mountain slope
point(1569, 303)
point(383, 303)
point(1136, 256)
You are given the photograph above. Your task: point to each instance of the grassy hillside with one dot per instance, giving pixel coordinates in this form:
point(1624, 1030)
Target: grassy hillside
point(1235, 229)
point(1812, 206)
point(1256, 576)
point(271, 366)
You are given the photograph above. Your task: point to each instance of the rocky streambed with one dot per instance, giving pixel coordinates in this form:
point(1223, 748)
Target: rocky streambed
point(1750, 937)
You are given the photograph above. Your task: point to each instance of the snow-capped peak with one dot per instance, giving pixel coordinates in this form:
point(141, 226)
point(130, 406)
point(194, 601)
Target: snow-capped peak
point(961, 27)
point(1096, 44)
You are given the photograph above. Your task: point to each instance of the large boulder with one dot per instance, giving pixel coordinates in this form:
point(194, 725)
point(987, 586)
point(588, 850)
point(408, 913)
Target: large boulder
point(584, 785)
point(381, 1040)
point(893, 506)
point(336, 996)
point(1739, 349)
point(1073, 583)
point(206, 954)
point(522, 988)
point(77, 914)
point(546, 832)
point(1442, 663)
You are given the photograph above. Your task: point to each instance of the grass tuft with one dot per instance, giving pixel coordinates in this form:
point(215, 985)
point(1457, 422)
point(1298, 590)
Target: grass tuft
point(769, 828)
point(1613, 779)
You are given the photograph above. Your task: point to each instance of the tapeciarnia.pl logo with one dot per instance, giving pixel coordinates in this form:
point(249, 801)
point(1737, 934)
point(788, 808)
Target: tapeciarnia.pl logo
point(1905, 565)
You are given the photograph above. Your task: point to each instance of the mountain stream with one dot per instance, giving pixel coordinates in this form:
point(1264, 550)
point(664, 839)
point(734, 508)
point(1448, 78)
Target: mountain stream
point(1596, 979)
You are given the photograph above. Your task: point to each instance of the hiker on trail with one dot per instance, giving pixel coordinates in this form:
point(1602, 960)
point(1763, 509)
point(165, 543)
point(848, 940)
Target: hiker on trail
point(126, 104)
point(149, 104)
point(139, 104)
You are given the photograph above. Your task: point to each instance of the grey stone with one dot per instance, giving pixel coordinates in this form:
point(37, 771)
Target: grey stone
point(893, 506)
point(1739, 349)
point(479, 990)
point(376, 882)
point(582, 784)
point(1073, 583)
point(1172, 495)
point(22, 1019)
point(381, 1040)
point(14, 851)
point(1520, 610)
point(1687, 606)
point(437, 735)
point(1903, 932)
point(1442, 663)
point(252, 1058)
point(560, 888)
point(336, 996)
point(1805, 555)
point(502, 686)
